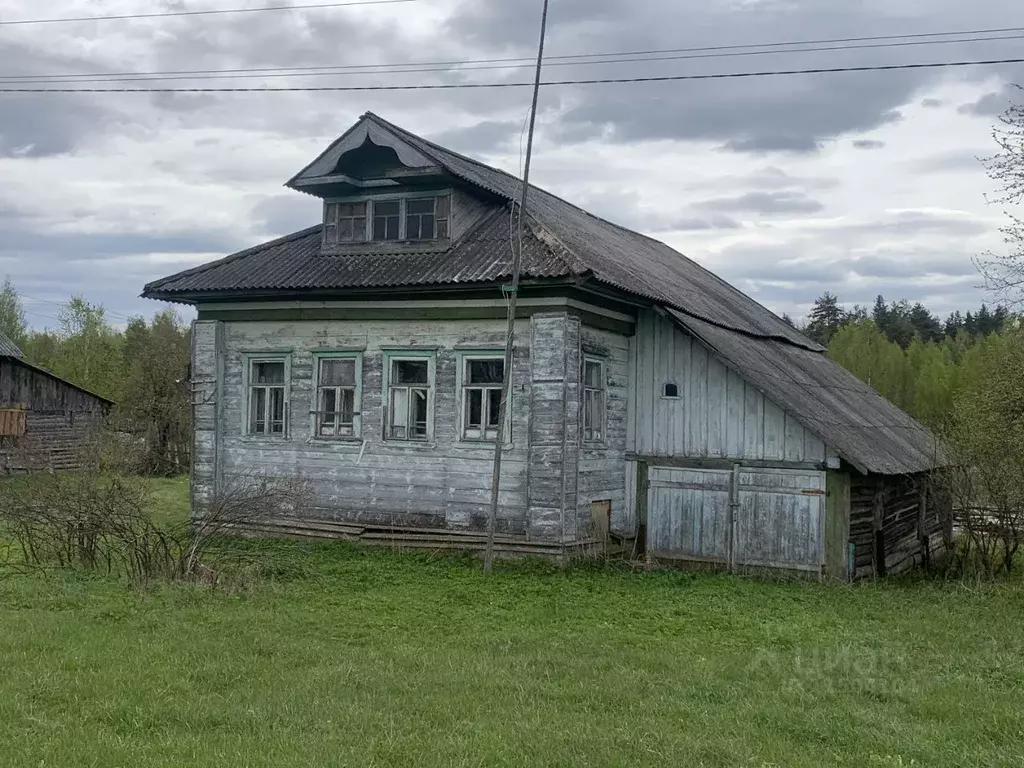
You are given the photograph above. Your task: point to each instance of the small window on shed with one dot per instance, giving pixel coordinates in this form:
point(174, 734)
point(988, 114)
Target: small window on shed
point(670, 390)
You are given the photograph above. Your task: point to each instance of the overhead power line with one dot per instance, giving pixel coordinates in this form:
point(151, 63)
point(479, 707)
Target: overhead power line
point(608, 57)
point(355, 69)
point(212, 12)
point(462, 86)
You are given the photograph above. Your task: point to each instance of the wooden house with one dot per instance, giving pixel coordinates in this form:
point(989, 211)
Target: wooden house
point(45, 422)
point(649, 397)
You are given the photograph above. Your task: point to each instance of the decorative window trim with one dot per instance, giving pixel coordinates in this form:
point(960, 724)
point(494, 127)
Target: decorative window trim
point(331, 226)
point(314, 412)
point(587, 393)
point(248, 360)
point(463, 356)
point(390, 356)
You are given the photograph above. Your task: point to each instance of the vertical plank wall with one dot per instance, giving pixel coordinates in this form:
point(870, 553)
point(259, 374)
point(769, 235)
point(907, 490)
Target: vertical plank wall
point(717, 414)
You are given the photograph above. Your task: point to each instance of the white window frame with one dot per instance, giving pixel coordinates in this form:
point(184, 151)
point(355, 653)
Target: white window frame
point(357, 415)
point(330, 218)
point(249, 360)
point(584, 392)
point(463, 359)
point(412, 355)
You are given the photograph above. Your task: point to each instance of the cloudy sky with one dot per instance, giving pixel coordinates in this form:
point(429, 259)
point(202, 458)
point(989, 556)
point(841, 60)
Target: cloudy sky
point(858, 183)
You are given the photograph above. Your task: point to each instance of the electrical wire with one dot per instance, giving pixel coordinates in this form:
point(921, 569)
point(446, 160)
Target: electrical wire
point(595, 81)
point(466, 65)
point(212, 12)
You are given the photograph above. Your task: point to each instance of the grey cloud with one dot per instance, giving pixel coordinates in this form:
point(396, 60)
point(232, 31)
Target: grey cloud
point(764, 203)
point(910, 223)
point(697, 224)
point(772, 177)
point(949, 162)
point(932, 103)
point(43, 124)
point(625, 209)
point(868, 144)
point(482, 137)
point(989, 105)
point(286, 213)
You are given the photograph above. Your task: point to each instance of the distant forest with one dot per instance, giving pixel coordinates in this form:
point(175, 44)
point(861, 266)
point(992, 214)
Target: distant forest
point(913, 358)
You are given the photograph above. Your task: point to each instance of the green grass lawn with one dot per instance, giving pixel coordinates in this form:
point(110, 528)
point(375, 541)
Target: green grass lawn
point(360, 657)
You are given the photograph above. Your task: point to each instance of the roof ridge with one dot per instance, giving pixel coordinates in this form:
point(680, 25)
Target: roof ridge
point(478, 163)
point(199, 269)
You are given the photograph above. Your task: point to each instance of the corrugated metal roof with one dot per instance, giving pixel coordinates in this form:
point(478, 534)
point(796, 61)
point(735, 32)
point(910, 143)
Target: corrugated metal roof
point(867, 430)
point(295, 262)
point(565, 240)
point(8, 348)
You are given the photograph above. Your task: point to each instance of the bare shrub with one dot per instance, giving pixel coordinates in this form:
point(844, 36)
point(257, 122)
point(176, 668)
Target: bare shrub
point(242, 503)
point(96, 521)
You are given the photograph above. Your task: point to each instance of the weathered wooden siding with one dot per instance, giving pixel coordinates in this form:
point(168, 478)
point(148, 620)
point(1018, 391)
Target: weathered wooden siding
point(894, 523)
point(22, 385)
point(717, 413)
point(60, 423)
point(206, 386)
point(553, 425)
point(442, 484)
point(467, 210)
point(771, 518)
point(57, 441)
point(602, 467)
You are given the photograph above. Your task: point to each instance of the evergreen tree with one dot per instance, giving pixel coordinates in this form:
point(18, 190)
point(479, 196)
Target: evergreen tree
point(999, 317)
point(954, 324)
point(926, 326)
point(983, 321)
point(899, 326)
point(880, 313)
point(825, 318)
point(788, 320)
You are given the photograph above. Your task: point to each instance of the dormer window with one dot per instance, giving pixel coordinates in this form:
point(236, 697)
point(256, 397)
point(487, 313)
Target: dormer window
point(386, 218)
point(417, 218)
point(426, 218)
point(345, 223)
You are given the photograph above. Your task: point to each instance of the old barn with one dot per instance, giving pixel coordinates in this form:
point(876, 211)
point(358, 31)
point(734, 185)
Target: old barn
point(650, 399)
point(45, 421)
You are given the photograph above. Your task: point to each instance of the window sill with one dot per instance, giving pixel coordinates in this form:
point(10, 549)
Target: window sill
point(425, 444)
point(336, 440)
point(489, 444)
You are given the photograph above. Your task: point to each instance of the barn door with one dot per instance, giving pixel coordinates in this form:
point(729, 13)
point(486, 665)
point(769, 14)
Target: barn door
point(759, 517)
point(780, 518)
point(688, 514)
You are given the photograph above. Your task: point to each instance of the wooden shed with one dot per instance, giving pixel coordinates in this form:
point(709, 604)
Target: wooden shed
point(651, 401)
point(45, 421)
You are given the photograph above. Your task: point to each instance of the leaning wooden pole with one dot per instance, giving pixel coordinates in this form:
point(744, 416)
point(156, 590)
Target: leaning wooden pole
point(513, 292)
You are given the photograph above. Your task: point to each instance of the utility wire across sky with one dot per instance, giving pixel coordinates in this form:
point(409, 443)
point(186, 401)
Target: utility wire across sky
point(463, 86)
point(212, 12)
point(467, 66)
point(661, 54)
